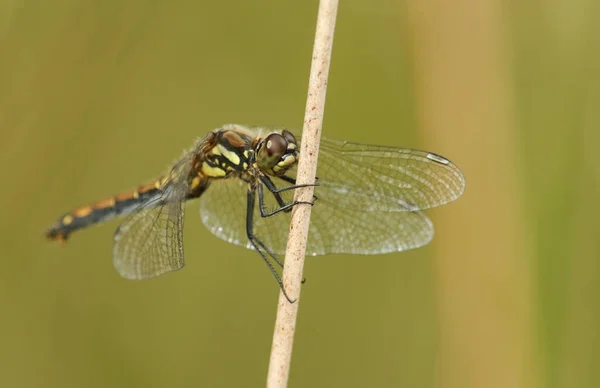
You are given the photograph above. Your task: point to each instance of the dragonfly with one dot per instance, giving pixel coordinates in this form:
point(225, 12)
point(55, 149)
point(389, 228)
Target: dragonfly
point(370, 200)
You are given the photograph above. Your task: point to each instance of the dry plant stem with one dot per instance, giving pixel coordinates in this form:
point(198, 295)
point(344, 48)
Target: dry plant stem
point(285, 325)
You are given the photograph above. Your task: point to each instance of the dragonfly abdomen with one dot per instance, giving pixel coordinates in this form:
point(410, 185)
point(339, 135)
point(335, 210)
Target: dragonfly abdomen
point(106, 209)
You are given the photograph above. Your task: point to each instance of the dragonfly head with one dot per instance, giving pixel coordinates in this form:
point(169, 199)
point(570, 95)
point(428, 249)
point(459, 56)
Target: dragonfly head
point(277, 153)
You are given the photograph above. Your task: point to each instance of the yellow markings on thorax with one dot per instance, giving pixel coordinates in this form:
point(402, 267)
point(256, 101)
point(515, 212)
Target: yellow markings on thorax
point(232, 156)
point(222, 155)
point(229, 155)
point(211, 171)
point(195, 183)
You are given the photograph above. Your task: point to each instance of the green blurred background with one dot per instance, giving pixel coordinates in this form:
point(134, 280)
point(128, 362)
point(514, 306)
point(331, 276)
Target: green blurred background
point(97, 97)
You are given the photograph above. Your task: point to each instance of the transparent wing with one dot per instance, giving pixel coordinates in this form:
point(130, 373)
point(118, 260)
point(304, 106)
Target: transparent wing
point(387, 179)
point(150, 240)
point(369, 201)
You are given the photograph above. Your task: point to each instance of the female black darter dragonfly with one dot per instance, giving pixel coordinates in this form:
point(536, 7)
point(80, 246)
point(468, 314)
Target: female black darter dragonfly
point(370, 200)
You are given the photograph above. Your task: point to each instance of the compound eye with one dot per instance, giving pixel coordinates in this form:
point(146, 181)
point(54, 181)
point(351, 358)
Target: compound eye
point(289, 137)
point(275, 145)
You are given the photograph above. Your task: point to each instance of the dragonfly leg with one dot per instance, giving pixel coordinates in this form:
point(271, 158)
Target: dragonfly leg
point(276, 193)
point(283, 207)
point(273, 189)
point(292, 181)
point(260, 247)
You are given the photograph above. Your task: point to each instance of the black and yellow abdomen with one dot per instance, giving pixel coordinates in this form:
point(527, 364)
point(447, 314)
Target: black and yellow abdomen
point(103, 210)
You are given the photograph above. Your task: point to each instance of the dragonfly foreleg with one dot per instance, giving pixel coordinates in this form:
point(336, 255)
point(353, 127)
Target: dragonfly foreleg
point(276, 193)
point(291, 180)
point(283, 207)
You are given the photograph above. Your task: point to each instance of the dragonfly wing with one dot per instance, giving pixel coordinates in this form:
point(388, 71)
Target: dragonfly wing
point(371, 197)
point(150, 241)
point(380, 178)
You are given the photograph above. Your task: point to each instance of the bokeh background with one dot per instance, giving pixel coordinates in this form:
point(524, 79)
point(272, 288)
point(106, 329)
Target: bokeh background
point(97, 97)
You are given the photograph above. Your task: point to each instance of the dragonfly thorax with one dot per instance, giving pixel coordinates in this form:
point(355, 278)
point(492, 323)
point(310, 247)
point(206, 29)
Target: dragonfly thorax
point(225, 152)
